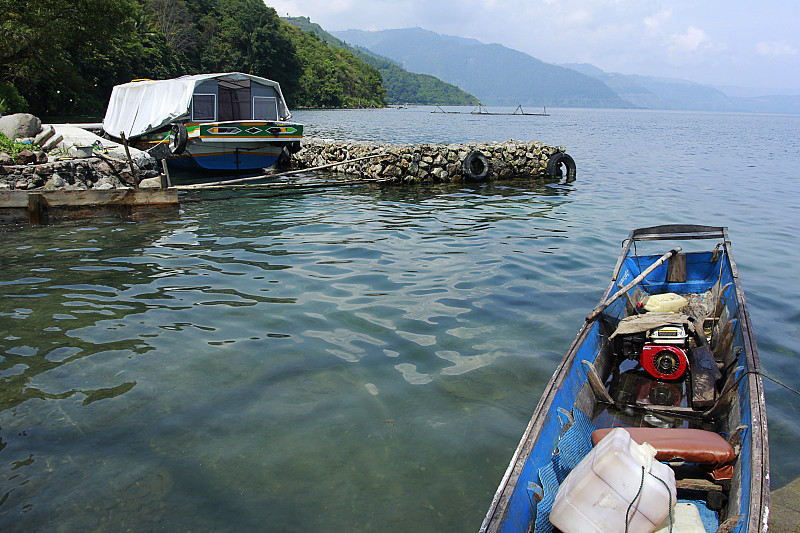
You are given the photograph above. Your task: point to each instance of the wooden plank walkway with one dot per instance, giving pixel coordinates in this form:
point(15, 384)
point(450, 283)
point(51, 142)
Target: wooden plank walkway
point(39, 207)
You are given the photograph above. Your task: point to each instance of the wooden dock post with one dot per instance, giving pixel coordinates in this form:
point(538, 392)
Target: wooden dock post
point(37, 209)
point(130, 160)
point(165, 181)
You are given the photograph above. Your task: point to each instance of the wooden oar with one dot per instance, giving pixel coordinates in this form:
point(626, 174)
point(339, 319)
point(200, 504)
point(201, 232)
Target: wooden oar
point(602, 306)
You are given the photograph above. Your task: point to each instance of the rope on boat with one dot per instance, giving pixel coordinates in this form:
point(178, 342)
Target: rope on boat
point(736, 384)
point(639, 492)
point(159, 143)
point(630, 506)
point(787, 387)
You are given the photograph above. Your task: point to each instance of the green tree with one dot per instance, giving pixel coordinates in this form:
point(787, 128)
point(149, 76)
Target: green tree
point(333, 77)
point(247, 36)
point(44, 40)
point(65, 56)
point(136, 52)
point(397, 85)
point(172, 19)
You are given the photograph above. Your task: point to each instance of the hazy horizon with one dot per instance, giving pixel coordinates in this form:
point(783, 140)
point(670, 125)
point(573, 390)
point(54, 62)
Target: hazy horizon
point(739, 45)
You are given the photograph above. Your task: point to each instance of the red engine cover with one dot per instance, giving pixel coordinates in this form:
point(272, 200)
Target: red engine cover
point(663, 361)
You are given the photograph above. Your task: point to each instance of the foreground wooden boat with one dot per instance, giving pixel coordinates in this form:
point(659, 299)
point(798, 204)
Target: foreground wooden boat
point(216, 122)
point(688, 382)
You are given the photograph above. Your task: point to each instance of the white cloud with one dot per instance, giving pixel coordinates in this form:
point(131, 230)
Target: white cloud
point(579, 17)
point(653, 23)
point(775, 49)
point(690, 41)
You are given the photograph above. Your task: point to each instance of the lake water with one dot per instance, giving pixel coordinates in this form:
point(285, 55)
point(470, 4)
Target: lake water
point(362, 359)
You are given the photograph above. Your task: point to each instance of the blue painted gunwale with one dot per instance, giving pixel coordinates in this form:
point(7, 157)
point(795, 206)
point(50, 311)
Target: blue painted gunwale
point(513, 507)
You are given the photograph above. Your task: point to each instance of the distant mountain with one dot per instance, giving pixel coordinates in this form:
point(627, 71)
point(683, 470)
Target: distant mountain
point(495, 74)
point(402, 87)
point(667, 93)
point(770, 103)
point(660, 93)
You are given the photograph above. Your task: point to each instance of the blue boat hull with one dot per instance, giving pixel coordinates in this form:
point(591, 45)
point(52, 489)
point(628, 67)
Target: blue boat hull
point(223, 162)
point(571, 407)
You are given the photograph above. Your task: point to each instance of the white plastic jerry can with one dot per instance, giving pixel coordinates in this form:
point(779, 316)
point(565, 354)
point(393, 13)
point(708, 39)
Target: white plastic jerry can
point(597, 494)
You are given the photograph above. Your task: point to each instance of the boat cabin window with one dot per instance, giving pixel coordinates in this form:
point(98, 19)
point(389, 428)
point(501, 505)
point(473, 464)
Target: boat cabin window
point(234, 100)
point(204, 107)
point(265, 108)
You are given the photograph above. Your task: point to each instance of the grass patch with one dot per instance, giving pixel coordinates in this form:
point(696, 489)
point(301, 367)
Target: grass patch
point(12, 148)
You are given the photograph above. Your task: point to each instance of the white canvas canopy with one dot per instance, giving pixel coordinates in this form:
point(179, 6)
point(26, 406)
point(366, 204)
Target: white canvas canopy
point(139, 107)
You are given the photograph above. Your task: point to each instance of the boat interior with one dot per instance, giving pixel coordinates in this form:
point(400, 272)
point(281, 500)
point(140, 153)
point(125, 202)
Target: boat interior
point(668, 360)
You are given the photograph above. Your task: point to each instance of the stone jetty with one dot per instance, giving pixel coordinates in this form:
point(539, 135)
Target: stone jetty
point(64, 157)
point(434, 163)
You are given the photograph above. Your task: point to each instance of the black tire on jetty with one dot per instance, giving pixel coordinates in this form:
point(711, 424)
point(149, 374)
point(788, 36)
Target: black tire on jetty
point(476, 166)
point(556, 161)
point(178, 137)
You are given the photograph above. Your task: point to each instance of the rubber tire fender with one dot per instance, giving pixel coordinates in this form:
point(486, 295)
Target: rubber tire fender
point(294, 147)
point(178, 138)
point(555, 162)
point(476, 166)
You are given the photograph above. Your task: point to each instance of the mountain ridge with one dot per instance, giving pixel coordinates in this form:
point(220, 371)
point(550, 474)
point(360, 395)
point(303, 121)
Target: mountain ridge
point(654, 92)
point(402, 86)
point(498, 75)
point(495, 74)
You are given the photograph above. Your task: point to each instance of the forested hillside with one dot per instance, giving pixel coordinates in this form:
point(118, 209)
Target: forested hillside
point(495, 74)
point(402, 86)
point(63, 57)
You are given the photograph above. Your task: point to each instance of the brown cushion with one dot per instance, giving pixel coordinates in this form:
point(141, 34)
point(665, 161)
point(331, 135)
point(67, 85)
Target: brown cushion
point(692, 445)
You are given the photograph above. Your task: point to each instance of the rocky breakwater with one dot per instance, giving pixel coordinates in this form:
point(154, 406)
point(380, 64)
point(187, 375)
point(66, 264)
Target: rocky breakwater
point(437, 163)
point(62, 157)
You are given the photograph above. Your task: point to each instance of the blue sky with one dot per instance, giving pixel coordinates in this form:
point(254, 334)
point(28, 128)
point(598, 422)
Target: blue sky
point(715, 42)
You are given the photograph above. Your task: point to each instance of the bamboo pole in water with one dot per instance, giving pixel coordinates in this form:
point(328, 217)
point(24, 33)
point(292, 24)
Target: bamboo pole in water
point(282, 186)
point(265, 176)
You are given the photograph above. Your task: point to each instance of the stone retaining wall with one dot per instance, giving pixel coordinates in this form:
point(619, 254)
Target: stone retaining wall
point(413, 163)
point(73, 174)
point(434, 163)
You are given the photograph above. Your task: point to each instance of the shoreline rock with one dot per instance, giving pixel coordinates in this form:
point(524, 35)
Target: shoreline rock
point(72, 174)
point(66, 166)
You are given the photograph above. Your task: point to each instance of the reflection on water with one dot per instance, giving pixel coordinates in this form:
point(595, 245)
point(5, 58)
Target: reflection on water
point(259, 359)
point(345, 360)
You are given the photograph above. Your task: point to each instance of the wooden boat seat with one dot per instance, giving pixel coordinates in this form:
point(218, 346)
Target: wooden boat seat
point(705, 448)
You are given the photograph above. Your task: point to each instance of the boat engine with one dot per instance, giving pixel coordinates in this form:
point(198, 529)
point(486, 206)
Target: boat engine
point(663, 354)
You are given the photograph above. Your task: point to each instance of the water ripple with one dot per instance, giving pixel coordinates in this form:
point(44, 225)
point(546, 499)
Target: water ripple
point(363, 359)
